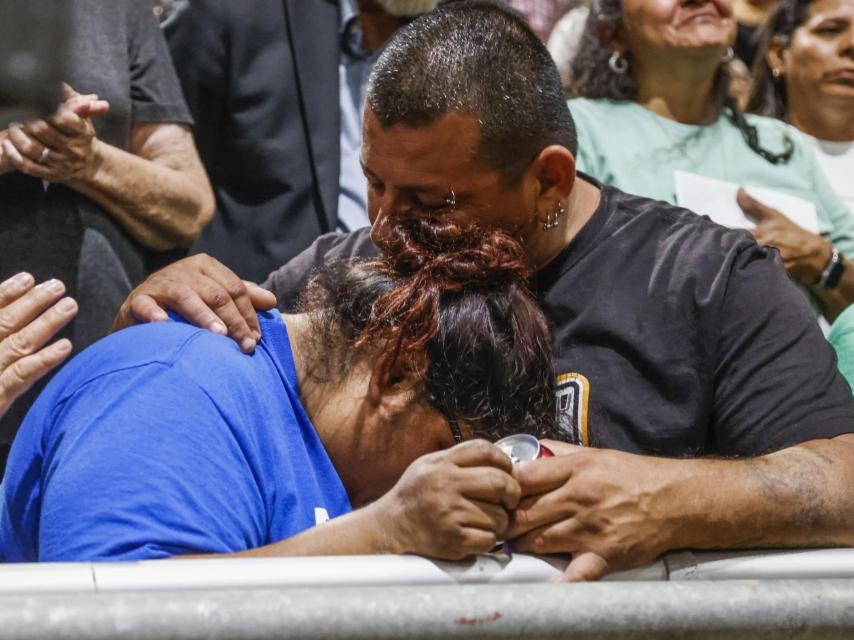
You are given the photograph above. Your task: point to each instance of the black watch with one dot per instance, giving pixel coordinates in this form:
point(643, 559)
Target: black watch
point(832, 273)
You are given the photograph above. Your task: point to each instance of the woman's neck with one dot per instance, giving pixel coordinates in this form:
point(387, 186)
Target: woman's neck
point(313, 393)
point(682, 91)
point(823, 119)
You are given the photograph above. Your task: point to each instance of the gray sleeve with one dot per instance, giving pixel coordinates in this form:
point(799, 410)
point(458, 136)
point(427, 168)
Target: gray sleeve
point(288, 281)
point(154, 88)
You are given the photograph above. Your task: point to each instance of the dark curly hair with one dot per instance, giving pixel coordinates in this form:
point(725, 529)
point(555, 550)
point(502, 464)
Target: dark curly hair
point(768, 97)
point(452, 303)
point(593, 77)
point(477, 57)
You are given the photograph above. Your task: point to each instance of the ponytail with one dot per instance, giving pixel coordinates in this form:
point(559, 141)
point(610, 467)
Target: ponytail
point(751, 135)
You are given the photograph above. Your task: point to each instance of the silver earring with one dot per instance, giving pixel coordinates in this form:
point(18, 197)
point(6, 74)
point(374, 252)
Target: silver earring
point(451, 200)
point(729, 56)
point(553, 217)
point(618, 63)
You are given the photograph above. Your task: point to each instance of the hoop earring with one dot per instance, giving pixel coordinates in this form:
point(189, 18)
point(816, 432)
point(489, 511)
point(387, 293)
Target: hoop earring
point(618, 63)
point(729, 56)
point(553, 217)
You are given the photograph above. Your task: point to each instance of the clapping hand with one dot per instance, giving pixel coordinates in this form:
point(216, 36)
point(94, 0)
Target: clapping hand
point(60, 147)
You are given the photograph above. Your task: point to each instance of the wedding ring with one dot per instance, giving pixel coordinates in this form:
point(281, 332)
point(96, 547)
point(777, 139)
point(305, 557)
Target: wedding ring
point(44, 156)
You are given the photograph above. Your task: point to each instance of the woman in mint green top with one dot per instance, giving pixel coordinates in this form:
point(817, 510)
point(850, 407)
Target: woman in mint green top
point(841, 336)
point(653, 100)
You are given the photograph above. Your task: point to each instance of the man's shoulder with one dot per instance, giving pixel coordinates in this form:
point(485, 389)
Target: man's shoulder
point(663, 224)
point(288, 281)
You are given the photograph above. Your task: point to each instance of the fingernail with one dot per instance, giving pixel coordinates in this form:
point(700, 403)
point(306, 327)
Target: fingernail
point(66, 305)
point(62, 346)
point(256, 335)
point(22, 279)
point(247, 345)
point(54, 286)
point(219, 329)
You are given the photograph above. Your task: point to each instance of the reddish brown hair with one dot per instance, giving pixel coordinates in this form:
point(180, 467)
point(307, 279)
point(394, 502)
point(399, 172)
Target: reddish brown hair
point(452, 302)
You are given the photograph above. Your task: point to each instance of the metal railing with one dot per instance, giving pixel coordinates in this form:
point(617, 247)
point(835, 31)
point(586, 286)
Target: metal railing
point(787, 594)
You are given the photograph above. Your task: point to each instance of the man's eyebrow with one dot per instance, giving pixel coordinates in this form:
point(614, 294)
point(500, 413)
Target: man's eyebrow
point(415, 188)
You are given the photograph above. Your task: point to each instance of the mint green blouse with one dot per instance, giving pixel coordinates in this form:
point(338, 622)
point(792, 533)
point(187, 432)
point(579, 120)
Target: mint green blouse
point(625, 145)
point(841, 336)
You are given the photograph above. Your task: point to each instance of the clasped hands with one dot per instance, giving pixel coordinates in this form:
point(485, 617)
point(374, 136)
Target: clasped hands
point(599, 505)
point(59, 148)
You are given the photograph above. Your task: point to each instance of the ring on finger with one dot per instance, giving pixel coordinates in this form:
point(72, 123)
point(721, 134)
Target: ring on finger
point(44, 155)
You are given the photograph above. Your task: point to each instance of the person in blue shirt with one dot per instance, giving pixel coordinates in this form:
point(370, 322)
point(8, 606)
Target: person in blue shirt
point(165, 440)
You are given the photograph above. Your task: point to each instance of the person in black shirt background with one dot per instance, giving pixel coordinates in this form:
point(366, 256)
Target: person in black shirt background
point(700, 404)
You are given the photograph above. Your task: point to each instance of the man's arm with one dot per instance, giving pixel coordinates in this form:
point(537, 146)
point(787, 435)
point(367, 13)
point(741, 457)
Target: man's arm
point(208, 294)
point(615, 510)
point(778, 417)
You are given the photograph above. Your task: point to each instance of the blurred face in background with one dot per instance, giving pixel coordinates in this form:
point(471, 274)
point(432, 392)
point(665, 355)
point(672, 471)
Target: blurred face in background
point(676, 27)
point(819, 61)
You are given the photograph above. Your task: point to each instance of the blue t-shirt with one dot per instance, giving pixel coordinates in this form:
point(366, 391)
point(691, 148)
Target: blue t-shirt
point(164, 440)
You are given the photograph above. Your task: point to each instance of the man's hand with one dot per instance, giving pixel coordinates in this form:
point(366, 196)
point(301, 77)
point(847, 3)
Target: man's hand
point(597, 504)
point(59, 148)
point(204, 292)
point(29, 317)
point(450, 504)
point(804, 254)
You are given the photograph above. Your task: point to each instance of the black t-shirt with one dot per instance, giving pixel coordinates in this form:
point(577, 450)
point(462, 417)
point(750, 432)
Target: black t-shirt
point(673, 336)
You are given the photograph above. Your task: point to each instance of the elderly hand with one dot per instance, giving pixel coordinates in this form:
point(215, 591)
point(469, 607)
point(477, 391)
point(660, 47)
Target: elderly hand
point(597, 504)
point(450, 504)
point(61, 147)
point(29, 317)
point(204, 292)
point(805, 255)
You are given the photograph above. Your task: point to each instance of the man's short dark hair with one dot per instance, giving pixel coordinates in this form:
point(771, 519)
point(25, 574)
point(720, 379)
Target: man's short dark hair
point(478, 58)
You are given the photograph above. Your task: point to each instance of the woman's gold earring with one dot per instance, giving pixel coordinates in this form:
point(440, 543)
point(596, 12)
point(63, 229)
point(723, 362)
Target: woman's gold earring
point(776, 73)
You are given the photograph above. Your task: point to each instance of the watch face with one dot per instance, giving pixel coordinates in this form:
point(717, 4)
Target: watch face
point(833, 273)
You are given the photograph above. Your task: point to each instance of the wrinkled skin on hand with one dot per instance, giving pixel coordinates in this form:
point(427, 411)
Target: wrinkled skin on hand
point(451, 504)
point(60, 148)
point(205, 293)
point(29, 317)
point(599, 505)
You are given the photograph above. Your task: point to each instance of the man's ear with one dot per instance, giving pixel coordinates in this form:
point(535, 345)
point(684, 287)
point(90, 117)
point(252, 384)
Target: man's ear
point(778, 54)
point(555, 173)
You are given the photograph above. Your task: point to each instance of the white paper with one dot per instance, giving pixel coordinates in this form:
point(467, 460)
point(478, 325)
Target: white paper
point(717, 199)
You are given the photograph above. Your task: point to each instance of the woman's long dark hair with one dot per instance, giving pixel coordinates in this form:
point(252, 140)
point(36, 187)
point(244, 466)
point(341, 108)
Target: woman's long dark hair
point(452, 303)
point(768, 97)
point(593, 77)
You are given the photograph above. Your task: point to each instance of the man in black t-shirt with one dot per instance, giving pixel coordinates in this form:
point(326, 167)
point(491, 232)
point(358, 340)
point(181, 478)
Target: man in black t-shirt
point(673, 337)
